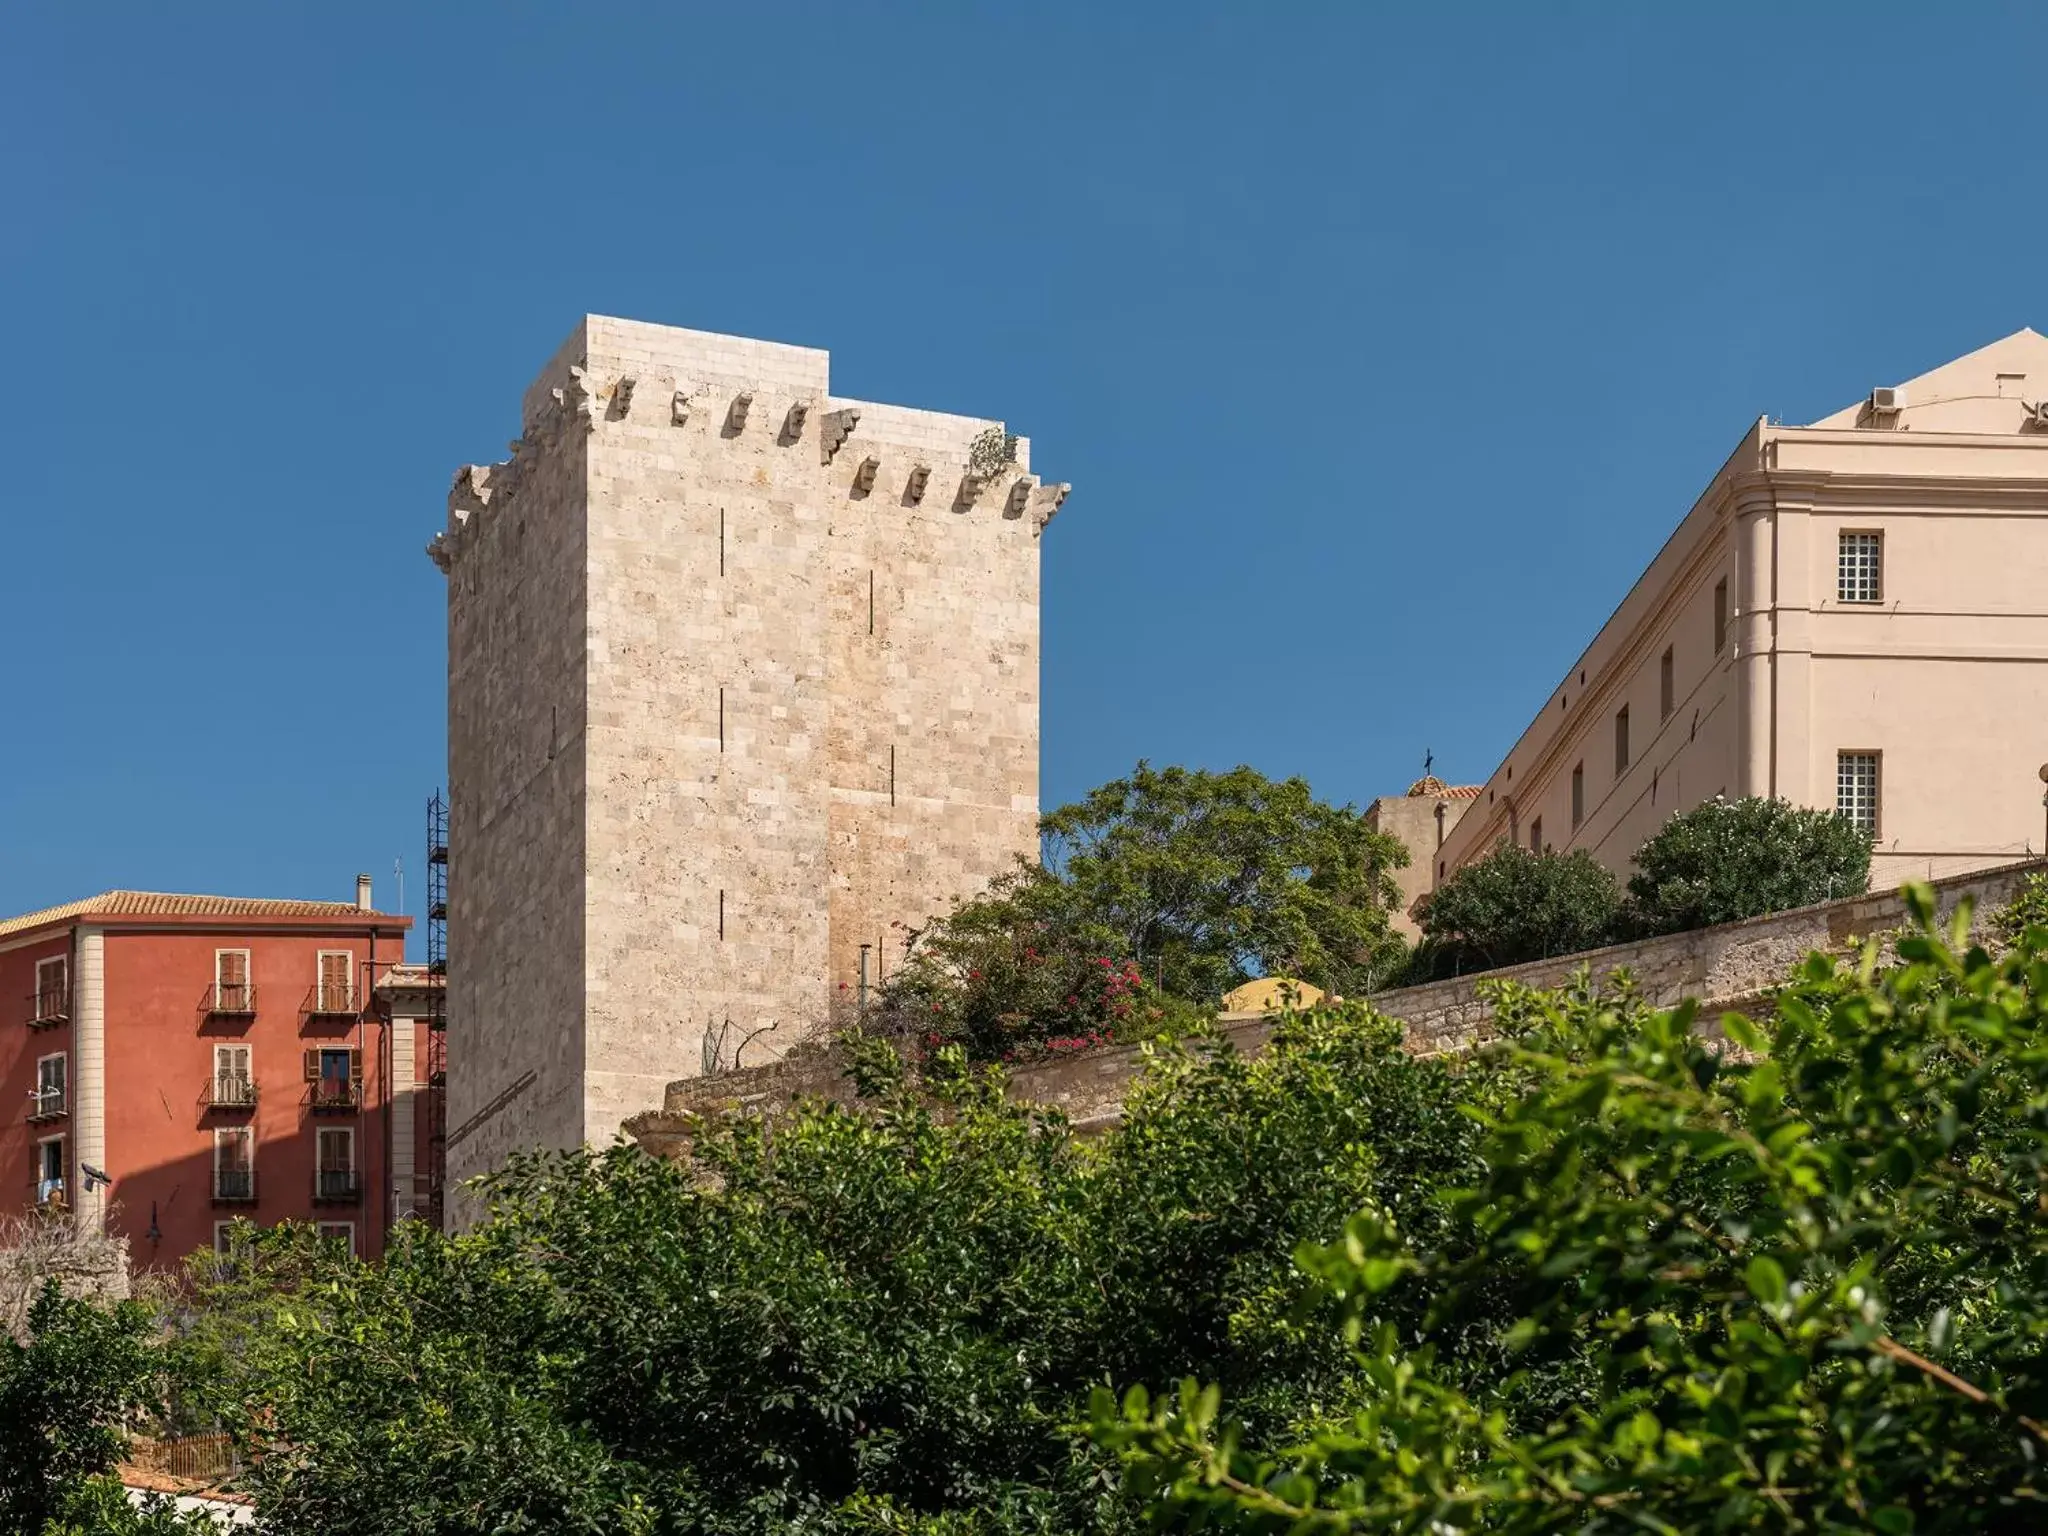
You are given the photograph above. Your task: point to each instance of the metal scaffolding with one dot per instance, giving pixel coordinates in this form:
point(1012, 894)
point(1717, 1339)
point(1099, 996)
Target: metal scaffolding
point(437, 1007)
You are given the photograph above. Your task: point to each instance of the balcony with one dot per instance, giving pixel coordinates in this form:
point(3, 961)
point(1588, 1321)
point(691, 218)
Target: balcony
point(47, 1104)
point(48, 1007)
point(336, 1186)
point(233, 1091)
point(335, 1095)
point(234, 1186)
point(329, 1001)
point(231, 1000)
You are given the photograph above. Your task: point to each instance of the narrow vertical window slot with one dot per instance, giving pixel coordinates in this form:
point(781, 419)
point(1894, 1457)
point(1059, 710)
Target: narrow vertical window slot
point(892, 775)
point(721, 912)
point(721, 719)
point(871, 602)
point(721, 541)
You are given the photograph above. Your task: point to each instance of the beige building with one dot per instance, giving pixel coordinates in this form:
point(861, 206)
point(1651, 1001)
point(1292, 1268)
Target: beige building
point(742, 677)
point(1421, 821)
point(1854, 614)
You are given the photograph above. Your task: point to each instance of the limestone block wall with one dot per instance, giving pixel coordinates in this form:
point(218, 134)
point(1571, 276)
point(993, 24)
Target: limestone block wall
point(514, 554)
point(803, 632)
point(1725, 967)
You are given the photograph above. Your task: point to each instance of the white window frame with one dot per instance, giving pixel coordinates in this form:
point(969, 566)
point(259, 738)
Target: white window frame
point(348, 996)
point(344, 1230)
point(1876, 761)
point(63, 1086)
point(221, 1229)
point(63, 1180)
point(232, 1049)
point(62, 965)
point(227, 1135)
point(1851, 567)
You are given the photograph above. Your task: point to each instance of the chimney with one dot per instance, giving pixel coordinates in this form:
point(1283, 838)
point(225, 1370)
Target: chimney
point(363, 894)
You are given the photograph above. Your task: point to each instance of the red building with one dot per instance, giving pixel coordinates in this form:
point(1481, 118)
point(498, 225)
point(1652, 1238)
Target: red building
point(212, 1058)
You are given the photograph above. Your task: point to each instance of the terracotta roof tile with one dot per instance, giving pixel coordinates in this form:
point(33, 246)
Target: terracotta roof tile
point(167, 904)
point(1429, 786)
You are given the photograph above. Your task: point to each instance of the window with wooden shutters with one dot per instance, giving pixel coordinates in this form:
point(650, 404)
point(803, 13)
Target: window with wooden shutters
point(335, 1171)
point(336, 1073)
point(52, 1166)
point(233, 1085)
point(51, 1097)
point(52, 1001)
point(231, 990)
point(334, 990)
point(234, 1163)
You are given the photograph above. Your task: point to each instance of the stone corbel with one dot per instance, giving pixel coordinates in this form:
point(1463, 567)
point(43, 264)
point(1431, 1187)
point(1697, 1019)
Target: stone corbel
point(575, 394)
point(678, 408)
point(622, 396)
point(913, 487)
point(736, 413)
point(1045, 502)
point(471, 492)
point(1020, 493)
point(864, 475)
point(970, 488)
point(793, 423)
point(834, 428)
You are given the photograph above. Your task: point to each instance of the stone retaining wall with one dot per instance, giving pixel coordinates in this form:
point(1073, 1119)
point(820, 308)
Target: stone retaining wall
point(1724, 967)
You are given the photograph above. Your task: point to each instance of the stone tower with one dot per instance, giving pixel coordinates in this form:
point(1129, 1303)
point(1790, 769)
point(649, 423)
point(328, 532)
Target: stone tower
point(740, 675)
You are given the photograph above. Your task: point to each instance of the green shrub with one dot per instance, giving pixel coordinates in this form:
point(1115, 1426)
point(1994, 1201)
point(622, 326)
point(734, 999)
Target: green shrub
point(1799, 1292)
point(1730, 859)
point(1515, 905)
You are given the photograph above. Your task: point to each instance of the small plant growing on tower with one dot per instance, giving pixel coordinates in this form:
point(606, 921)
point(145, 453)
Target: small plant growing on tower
point(991, 453)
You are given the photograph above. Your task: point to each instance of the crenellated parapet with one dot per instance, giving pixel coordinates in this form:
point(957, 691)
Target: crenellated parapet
point(863, 450)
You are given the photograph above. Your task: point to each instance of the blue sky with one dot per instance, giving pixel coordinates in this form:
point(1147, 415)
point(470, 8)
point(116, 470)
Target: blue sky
point(1382, 345)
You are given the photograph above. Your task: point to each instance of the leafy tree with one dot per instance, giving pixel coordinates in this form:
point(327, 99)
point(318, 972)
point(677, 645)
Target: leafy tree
point(1015, 974)
point(1209, 879)
point(1515, 904)
point(877, 1318)
point(1159, 893)
point(67, 1393)
point(1802, 1291)
point(1730, 859)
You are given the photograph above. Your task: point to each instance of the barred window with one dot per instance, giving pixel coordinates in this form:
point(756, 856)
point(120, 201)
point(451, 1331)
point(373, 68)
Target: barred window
point(1856, 789)
point(1859, 568)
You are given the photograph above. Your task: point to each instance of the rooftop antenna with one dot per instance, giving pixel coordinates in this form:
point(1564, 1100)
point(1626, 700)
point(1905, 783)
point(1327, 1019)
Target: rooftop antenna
point(398, 869)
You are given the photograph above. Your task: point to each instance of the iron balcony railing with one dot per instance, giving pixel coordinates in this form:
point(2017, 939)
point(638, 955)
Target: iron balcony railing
point(336, 1093)
point(48, 1006)
point(234, 1186)
point(231, 1000)
point(335, 1185)
point(232, 1090)
point(48, 1103)
point(331, 1000)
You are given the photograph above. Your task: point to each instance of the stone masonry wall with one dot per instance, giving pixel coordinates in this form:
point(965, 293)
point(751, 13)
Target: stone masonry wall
point(516, 695)
point(1725, 967)
point(804, 714)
